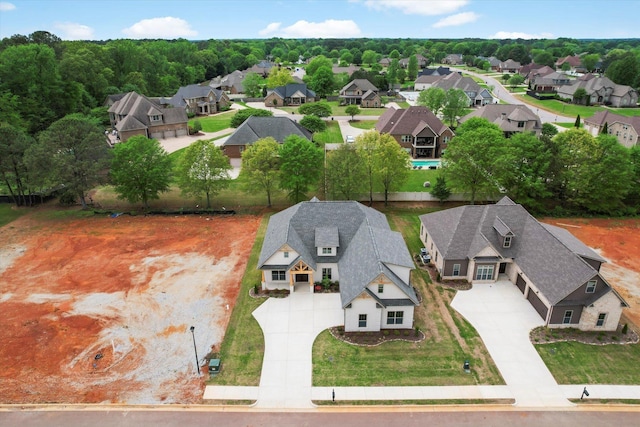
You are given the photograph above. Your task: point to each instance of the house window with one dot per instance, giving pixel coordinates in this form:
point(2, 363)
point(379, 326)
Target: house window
point(445, 140)
point(406, 138)
point(567, 317)
point(484, 272)
point(278, 275)
point(591, 287)
point(601, 318)
point(507, 242)
point(436, 256)
point(155, 118)
point(286, 254)
point(380, 289)
point(327, 251)
point(520, 124)
point(326, 273)
point(395, 317)
point(456, 269)
point(362, 320)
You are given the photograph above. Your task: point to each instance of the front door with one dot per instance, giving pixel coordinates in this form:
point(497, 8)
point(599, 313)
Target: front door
point(302, 278)
point(503, 267)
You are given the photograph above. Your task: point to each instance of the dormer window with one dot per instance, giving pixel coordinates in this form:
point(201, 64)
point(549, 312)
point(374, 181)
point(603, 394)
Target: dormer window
point(507, 242)
point(327, 251)
point(156, 118)
point(591, 287)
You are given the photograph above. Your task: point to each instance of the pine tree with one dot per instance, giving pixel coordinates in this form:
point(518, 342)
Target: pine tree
point(577, 123)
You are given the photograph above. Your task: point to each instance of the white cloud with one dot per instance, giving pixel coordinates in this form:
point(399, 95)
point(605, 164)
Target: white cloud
point(270, 29)
point(418, 7)
point(160, 28)
point(458, 19)
point(518, 35)
point(6, 7)
point(73, 31)
point(331, 28)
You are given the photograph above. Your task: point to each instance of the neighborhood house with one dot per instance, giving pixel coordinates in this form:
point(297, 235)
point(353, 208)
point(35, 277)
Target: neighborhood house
point(345, 242)
point(556, 273)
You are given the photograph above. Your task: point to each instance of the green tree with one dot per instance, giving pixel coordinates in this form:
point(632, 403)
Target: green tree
point(505, 78)
point(318, 109)
point(77, 154)
point(589, 61)
point(516, 80)
point(322, 81)
point(252, 85)
point(633, 197)
point(549, 130)
point(352, 110)
point(261, 166)
point(301, 166)
point(605, 128)
point(14, 143)
point(140, 170)
point(391, 164)
point(456, 102)
point(412, 68)
point(366, 146)
point(244, 114)
point(313, 124)
point(544, 58)
point(402, 75)
point(579, 95)
point(369, 57)
point(317, 63)
point(203, 169)
point(392, 73)
point(278, 76)
point(470, 159)
point(440, 190)
point(624, 71)
point(394, 54)
point(345, 173)
point(433, 98)
point(577, 122)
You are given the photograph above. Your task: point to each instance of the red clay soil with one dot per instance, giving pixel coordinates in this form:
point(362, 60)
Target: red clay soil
point(617, 240)
point(79, 288)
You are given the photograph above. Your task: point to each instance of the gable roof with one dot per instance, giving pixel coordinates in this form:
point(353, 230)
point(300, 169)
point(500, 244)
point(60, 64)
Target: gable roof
point(552, 259)
point(289, 90)
point(367, 245)
point(409, 121)
point(602, 117)
point(137, 110)
point(440, 71)
point(513, 113)
point(255, 128)
point(363, 84)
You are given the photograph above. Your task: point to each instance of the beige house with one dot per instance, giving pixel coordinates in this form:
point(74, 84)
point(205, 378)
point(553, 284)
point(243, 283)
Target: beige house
point(625, 129)
point(361, 92)
point(600, 90)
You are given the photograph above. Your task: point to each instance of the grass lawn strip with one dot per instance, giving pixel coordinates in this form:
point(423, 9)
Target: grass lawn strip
point(363, 124)
point(216, 122)
point(456, 402)
point(331, 135)
point(242, 350)
point(435, 361)
point(565, 109)
point(8, 213)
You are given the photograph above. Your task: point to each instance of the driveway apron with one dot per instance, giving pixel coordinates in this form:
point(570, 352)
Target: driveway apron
point(290, 326)
point(503, 318)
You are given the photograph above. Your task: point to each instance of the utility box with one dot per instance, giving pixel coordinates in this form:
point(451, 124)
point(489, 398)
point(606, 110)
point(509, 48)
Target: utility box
point(214, 366)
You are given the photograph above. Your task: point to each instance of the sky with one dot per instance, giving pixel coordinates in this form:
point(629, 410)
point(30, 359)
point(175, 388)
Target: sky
point(259, 19)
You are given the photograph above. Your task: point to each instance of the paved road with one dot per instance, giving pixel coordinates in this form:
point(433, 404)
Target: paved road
point(355, 417)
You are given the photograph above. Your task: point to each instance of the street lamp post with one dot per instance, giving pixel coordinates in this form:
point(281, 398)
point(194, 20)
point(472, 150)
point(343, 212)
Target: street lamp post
point(192, 329)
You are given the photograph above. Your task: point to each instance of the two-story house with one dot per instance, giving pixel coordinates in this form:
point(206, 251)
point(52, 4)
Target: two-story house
point(291, 94)
point(200, 100)
point(347, 242)
point(360, 92)
point(510, 118)
point(625, 129)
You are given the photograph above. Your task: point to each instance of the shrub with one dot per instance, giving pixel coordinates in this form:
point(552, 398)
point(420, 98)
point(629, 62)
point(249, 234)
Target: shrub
point(256, 289)
point(68, 198)
point(406, 333)
point(625, 329)
point(385, 333)
point(243, 115)
point(396, 332)
point(197, 126)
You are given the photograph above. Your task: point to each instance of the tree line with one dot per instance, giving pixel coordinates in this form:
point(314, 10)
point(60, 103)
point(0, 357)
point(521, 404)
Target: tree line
point(44, 78)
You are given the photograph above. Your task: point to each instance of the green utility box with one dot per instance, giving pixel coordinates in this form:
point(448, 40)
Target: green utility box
point(214, 366)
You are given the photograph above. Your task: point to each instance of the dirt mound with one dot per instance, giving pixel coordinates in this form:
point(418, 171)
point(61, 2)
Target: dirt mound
point(99, 309)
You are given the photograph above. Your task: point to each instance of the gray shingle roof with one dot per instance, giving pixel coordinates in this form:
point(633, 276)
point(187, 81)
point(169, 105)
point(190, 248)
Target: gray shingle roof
point(255, 128)
point(409, 121)
point(550, 258)
point(363, 84)
point(368, 247)
point(512, 115)
point(137, 109)
point(289, 90)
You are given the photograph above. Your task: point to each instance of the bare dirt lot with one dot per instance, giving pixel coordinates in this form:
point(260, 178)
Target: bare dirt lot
point(99, 309)
point(618, 241)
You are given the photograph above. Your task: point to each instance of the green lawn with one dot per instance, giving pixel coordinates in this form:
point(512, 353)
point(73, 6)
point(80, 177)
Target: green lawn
point(417, 178)
point(435, 361)
point(8, 213)
point(567, 109)
point(363, 124)
point(216, 122)
point(331, 135)
point(339, 110)
point(576, 363)
point(243, 347)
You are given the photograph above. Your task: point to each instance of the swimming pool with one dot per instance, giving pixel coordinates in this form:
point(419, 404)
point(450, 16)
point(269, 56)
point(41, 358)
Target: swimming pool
point(425, 164)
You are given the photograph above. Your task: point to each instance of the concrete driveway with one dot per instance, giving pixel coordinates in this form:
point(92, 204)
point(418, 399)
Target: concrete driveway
point(503, 318)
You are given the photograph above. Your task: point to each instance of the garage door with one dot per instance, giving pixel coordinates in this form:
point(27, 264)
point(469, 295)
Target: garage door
point(170, 133)
point(537, 304)
point(521, 283)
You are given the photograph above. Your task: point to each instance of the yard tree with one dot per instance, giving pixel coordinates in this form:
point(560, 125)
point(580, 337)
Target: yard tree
point(579, 95)
point(391, 164)
point(633, 197)
point(318, 109)
point(524, 169)
point(456, 101)
point(392, 73)
point(433, 98)
point(577, 122)
point(345, 173)
point(352, 110)
point(77, 154)
point(140, 170)
point(412, 68)
point(625, 71)
point(369, 57)
point(589, 61)
point(322, 81)
point(440, 190)
point(252, 85)
point(516, 80)
point(505, 78)
point(300, 167)
point(14, 142)
point(261, 166)
point(313, 124)
point(470, 158)
point(203, 170)
point(367, 145)
point(244, 114)
point(317, 63)
point(279, 76)
point(402, 75)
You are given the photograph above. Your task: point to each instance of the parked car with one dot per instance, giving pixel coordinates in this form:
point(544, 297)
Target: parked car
point(423, 251)
point(350, 139)
point(426, 259)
